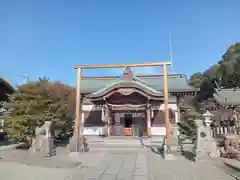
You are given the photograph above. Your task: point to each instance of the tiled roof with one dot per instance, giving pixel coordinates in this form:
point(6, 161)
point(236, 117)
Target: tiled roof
point(6, 85)
point(176, 83)
point(227, 96)
point(136, 83)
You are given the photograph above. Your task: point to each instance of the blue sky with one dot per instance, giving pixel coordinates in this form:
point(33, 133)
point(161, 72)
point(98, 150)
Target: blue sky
point(46, 38)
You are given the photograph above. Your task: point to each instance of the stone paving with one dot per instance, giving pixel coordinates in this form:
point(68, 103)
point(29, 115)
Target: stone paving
point(116, 165)
point(147, 166)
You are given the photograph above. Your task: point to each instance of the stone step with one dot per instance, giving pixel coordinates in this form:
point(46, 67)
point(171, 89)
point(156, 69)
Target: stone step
point(114, 146)
point(124, 142)
point(114, 149)
point(115, 138)
point(117, 141)
point(155, 141)
point(119, 144)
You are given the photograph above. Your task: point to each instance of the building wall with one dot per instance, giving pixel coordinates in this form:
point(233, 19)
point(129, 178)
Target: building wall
point(93, 124)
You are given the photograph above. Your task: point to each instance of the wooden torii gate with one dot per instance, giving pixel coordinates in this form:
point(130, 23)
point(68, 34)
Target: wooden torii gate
point(78, 92)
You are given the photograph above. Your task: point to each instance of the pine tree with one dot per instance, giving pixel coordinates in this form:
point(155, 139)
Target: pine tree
point(187, 126)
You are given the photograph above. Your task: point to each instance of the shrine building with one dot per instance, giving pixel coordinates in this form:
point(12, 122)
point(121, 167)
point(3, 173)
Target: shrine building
point(5, 89)
point(129, 105)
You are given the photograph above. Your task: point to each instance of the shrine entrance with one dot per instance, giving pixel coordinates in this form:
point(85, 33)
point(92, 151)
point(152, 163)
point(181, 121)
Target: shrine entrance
point(128, 123)
point(128, 120)
point(127, 106)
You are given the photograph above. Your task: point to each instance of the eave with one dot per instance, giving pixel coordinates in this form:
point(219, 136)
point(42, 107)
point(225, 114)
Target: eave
point(140, 86)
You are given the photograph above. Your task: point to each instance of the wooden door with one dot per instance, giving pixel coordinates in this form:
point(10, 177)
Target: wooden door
point(117, 129)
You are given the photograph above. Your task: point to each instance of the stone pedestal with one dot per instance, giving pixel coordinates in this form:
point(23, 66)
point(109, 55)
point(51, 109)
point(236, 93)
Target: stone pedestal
point(49, 148)
point(44, 146)
point(175, 145)
point(78, 144)
point(167, 153)
point(205, 146)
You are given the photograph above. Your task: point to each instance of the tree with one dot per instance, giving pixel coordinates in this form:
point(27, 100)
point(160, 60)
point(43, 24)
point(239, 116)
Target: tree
point(187, 126)
point(229, 70)
point(196, 80)
point(224, 74)
point(34, 103)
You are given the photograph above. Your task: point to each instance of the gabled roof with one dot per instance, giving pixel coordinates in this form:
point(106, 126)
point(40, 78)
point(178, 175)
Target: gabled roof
point(227, 96)
point(134, 83)
point(5, 89)
point(176, 83)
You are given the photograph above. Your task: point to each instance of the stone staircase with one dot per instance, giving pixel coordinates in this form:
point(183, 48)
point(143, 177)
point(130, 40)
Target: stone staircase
point(122, 143)
point(156, 141)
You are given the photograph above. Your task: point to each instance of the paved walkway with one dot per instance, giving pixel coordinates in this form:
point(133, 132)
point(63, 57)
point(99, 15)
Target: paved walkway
point(117, 165)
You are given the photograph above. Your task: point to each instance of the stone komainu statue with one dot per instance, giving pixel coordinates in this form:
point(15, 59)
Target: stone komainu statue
point(43, 141)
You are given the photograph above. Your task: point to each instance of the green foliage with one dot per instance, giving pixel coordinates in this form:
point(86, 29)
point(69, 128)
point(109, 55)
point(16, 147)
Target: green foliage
point(196, 79)
point(225, 74)
point(187, 126)
point(34, 103)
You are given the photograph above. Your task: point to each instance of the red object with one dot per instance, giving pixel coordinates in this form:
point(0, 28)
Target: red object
point(128, 131)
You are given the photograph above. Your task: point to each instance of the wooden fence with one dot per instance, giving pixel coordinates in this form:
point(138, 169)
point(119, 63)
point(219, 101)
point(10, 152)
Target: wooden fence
point(219, 130)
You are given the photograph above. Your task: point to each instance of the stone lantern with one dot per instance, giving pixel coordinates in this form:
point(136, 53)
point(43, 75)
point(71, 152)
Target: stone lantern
point(207, 118)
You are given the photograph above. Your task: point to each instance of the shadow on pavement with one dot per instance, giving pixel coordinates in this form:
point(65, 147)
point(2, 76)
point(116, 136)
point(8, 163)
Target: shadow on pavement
point(188, 155)
point(156, 150)
point(62, 142)
point(4, 142)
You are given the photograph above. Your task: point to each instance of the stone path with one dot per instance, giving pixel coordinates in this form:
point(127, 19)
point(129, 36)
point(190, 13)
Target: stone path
point(146, 166)
point(117, 165)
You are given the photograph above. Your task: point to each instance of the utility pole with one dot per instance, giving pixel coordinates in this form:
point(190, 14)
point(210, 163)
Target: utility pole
point(25, 77)
point(170, 47)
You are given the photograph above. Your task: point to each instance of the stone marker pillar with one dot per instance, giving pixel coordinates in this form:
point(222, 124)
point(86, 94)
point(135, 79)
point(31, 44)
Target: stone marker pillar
point(78, 143)
point(205, 146)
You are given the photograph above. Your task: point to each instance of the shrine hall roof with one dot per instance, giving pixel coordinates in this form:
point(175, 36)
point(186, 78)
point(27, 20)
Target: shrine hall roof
point(5, 89)
point(227, 96)
point(176, 83)
point(135, 82)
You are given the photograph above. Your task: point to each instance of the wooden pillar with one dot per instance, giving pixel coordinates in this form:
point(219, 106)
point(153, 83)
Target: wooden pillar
point(108, 121)
point(78, 105)
point(179, 114)
point(105, 120)
point(82, 121)
point(148, 122)
point(178, 108)
point(166, 112)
